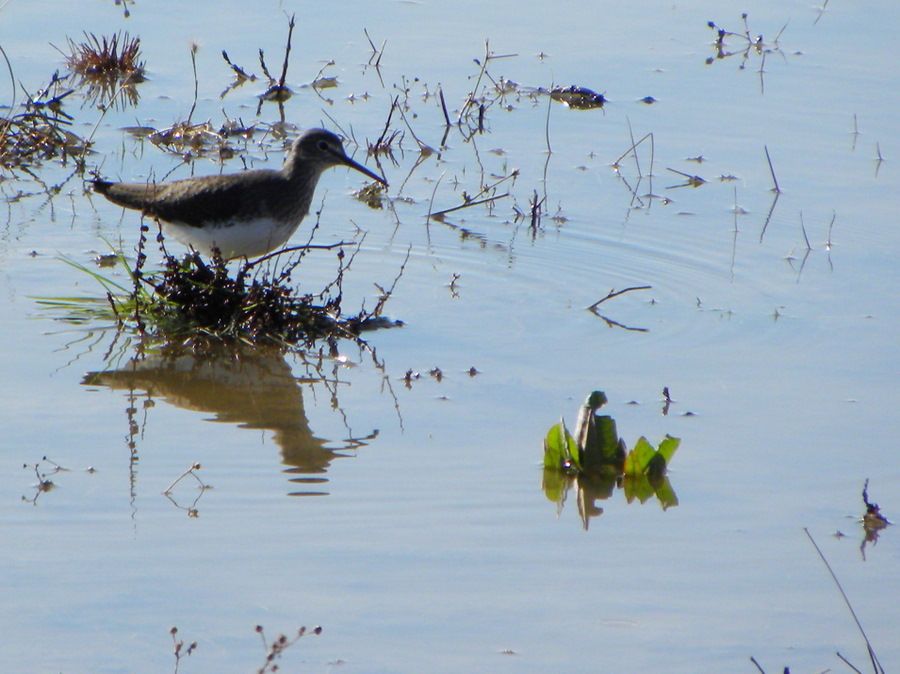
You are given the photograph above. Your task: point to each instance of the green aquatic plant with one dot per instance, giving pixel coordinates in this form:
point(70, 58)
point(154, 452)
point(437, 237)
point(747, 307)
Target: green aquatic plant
point(595, 460)
point(594, 447)
point(645, 459)
point(645, 471)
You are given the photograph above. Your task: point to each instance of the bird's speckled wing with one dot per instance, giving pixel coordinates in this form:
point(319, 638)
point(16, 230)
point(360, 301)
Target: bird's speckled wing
point(195, 201)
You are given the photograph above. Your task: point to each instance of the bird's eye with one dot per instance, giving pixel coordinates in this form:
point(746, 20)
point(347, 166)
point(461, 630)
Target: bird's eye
point(322, 145)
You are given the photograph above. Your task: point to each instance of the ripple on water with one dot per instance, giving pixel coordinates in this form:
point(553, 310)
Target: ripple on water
point(698, 290)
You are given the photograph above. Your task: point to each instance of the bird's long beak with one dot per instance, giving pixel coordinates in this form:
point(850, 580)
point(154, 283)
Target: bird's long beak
point(362, 169)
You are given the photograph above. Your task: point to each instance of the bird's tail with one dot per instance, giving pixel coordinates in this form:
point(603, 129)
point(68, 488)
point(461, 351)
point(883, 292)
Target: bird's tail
point(129, 195)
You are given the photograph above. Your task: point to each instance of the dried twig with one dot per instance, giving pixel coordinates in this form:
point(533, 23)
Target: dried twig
point(615, 293)
point(803, 229)
point(876, 665)
point(178, 645)
point(468, 204)
point(386, 294)
point(775, 189)
point(287, 53)
point(189, 471)
point(293, 249)
point(194, 48)
point(239, 72)
point(447, 121)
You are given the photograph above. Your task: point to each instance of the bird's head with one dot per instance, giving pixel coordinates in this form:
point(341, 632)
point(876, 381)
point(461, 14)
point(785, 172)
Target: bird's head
point(319, 149)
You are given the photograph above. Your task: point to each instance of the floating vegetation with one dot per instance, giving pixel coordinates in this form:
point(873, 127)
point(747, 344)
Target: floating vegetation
point(44, 470)
point(44, 483)
point(204, 297)
point(39, 130)
point(471, 117)
point(578, 98)
point(124, 3)
point(595, 308)
point(108, 68)
point(178, 649)
point(689, 180)
point(185, 138)
point(204, 139)
point(596, 460)
point(277, 91)
point(117, 56)
point(372, 195)
point(873, 520)
point(273, 650)
point(748, 44)
point(191, 510)
point(191, 299)
point(240, 74)
point(278, 646)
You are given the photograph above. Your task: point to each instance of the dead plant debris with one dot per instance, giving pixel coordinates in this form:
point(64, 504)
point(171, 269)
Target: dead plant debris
point(118, 55)
point(748, 43)
point(39, 130)
point(107, 68)
point(873, 520)
point(201, 302)
point(578, 98)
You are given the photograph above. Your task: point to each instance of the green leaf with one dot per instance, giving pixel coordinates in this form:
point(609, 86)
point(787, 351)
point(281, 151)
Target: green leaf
point(606, 427)
point(599, 484)
point(639, 457)
point(646, 459)
point(555, 484)
point(637, 487)
point(668, 447)
point(598, 438)
point(554, 450)
point(656, 468)
point(666, 494)
point(560, 448)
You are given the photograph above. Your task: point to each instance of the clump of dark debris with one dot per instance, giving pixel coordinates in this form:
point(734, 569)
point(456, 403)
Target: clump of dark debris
point(38, 130)
point(192, 298)
point(108, 68)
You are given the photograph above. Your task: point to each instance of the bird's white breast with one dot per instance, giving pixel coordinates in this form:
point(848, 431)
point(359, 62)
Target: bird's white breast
point(245, 238)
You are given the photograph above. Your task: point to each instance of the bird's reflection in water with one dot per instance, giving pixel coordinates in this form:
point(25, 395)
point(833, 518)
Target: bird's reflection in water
point(254, 388)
